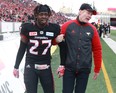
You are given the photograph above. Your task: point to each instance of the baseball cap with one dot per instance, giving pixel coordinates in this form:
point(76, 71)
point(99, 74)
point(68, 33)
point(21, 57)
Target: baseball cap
point(88, 7)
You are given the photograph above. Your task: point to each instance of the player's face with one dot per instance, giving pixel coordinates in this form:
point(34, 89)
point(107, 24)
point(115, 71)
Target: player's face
point(84, 15)
point(42, 18)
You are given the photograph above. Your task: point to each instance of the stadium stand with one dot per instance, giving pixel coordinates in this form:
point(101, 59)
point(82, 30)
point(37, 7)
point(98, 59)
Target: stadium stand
point(22, 11)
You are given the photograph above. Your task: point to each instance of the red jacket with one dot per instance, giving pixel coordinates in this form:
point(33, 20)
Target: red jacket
point(82, 42)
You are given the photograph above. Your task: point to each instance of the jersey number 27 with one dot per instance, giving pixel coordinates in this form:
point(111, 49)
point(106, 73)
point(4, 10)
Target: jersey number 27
point(36, 44)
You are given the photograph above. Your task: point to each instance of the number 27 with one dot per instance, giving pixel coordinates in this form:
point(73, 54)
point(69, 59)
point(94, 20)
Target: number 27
point(36, 44)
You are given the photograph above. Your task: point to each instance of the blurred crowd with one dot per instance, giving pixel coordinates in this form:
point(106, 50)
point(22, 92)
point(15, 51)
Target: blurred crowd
point(103, 29)
point(22, 11)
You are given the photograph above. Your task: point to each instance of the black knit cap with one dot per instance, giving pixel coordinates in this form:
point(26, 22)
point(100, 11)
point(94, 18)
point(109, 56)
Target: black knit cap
point(42, 8)
point(88, 7)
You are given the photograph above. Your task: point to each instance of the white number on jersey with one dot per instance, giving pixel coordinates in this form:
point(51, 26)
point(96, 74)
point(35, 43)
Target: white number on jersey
point(36, 44)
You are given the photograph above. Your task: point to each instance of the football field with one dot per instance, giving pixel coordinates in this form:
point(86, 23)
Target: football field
point(105, 83)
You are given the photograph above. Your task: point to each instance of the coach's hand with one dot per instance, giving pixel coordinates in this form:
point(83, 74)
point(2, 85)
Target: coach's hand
point(95, 76)
point(60, 71)
point(16, 73)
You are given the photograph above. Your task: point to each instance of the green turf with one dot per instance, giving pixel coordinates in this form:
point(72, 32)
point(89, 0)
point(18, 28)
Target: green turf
point(57, 81)
point(94, 86)
point(55, 64)
point(109, 58)
point(113, 35)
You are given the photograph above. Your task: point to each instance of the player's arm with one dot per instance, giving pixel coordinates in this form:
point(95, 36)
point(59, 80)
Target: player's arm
point(58, 37)
point(21, 51)
point(63, 54)
point(20, 54)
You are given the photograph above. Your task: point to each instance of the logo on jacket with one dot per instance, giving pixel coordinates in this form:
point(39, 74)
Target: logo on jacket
point(32, 33)
point(88, 33)
point(73, 31)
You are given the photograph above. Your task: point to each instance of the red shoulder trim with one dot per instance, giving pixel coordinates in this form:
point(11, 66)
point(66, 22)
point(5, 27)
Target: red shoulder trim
point(65, 25)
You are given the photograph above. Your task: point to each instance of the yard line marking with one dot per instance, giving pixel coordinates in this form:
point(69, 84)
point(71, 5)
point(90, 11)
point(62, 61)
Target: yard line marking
point(53, 48)
point(107, 80)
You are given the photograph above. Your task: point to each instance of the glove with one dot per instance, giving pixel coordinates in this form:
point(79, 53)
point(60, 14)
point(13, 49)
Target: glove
point(60, 71)
point(16, 73)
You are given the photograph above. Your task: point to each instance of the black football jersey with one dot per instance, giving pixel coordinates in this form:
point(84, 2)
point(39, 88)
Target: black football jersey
point(39, 41)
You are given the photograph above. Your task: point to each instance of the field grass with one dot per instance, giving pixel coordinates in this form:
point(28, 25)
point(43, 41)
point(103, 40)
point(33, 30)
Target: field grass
point(109, 58)
point(94, 86)
point(113, 35)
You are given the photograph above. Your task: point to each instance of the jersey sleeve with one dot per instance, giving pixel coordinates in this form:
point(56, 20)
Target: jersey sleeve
point(56, 33)
point(63, 52)
point(23, 30)
point(20, 54)
point(57, 30)
point(23, 45)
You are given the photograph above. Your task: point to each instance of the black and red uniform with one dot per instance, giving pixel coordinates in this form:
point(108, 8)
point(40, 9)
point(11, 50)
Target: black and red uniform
point(38, 48)
point(81, 42)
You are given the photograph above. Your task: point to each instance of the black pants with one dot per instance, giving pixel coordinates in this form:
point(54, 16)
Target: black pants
point(73, 81)
point(31, 76)
point(100, 33)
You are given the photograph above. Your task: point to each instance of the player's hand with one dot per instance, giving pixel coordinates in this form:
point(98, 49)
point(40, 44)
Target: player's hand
point(95, 76)
point(60, 71)
point(59, 38)
point(16, 73)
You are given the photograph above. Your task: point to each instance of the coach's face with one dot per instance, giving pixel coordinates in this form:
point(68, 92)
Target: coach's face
point(85, 15)
point(42, 18)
